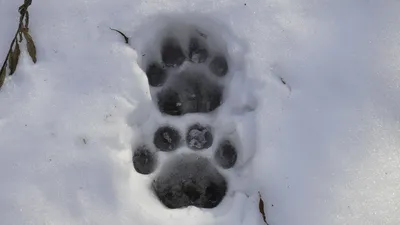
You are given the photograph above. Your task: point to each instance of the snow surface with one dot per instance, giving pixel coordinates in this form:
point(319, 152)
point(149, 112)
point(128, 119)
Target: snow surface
point(326, 145)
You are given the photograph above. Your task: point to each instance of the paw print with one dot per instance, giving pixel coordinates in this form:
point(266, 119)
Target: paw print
point(199, 137)
point(185, 151)
point(185, 78)
point(188, 179)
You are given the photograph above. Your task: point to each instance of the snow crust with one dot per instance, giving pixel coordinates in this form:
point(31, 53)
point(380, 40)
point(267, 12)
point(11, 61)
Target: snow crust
point(324, 148)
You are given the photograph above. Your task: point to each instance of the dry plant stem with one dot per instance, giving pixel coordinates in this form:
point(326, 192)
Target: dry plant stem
point(261, 208)
point(23, 10)
point(123, 35)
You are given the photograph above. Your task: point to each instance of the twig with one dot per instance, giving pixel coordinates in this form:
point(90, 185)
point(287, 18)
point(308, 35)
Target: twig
point(23, 10)
point(125, 37)
point(261, 208)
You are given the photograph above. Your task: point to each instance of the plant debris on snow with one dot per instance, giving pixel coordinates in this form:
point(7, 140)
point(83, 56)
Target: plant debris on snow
point(14, 52)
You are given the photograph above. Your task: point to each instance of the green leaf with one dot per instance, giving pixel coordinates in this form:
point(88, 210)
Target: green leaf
point(14, 58)
point(30, 44)
point(3, 75)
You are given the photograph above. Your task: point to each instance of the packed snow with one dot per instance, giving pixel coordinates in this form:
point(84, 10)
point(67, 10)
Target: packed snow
point(311, 102)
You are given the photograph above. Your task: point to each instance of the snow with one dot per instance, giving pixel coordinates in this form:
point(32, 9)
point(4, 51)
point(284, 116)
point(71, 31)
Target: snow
point(322, 149)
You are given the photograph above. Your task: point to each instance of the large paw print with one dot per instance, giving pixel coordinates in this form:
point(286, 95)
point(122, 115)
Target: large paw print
point(188, 178)
point(185, 151)
point(185, 75)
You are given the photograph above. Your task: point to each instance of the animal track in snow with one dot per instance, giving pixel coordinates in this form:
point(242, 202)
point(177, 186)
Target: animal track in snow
point(187, 151)
point(185, 75)
point(188, 178)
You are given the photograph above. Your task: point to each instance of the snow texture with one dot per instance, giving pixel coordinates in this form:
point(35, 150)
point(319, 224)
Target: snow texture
point(310, 100)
